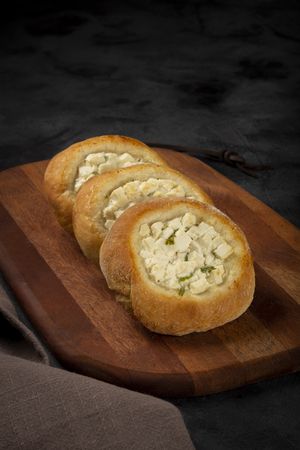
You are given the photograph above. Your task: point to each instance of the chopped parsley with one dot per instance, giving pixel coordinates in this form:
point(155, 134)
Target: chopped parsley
point(186, 258)
point(207, 269)
point(181, 279)
point(170, 240)
point(214, 253)
point(181, 291)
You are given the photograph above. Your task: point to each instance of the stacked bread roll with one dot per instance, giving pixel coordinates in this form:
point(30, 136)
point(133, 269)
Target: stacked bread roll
point(71, 168)
point(177, 262)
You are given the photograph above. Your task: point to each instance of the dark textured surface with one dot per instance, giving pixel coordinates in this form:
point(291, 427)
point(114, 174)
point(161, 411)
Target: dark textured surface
point(191, 73)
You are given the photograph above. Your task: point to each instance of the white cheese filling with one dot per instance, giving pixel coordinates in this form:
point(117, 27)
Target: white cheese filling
point(184, 255)
point(135, 192)
point(96, 163)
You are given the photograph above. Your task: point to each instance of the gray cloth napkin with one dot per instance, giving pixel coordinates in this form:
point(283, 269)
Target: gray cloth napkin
point(44, 407)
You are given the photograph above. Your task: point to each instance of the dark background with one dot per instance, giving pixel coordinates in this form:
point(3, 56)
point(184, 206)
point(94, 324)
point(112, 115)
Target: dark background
point(206, 74)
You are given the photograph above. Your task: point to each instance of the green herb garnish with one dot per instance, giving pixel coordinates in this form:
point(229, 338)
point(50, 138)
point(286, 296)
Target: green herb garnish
point(186, 258)
point(214, 254)
point(181, 291)
point(181, 279)
point(170, 240)
point(207, 269)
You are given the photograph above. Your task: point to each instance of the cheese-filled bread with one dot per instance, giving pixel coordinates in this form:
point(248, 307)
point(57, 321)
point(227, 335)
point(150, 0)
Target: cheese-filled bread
point(71, 168)
point(102, 200)
point(184, 265)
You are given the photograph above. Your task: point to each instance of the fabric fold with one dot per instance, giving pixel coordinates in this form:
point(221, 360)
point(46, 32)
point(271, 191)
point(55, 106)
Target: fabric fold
point(46, 407)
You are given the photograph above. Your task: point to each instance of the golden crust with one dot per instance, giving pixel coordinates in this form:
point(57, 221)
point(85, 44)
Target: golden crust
point(88, 222)
point(62, 169)
point(162, 310)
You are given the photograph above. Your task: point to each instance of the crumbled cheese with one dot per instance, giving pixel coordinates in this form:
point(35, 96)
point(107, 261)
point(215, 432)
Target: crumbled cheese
point(81, 181)
point(144, 230)
point(126, 158)
point(136, 191)
point(199, 286)
point(182, 241)
point(85, 171)
point(106, 166)
point(223, 251)
point(96, 163)
point(184, 255)
point(156, 229)
point(147, 187)
point(193, 232)
point(131, 188)
point(95, 158)
point(185, 268)
point(173, 283)
point(149, 242)
point(177, 191)
point(218, 273)
point(167, 232)
point(216, 241)
point(157, 270)
point(175, 223)
point(119, 197)
point(196, 256)
point(203, 228)
point(188, 220)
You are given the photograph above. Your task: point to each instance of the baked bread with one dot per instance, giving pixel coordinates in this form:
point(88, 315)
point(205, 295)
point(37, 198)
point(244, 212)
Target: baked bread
point(104, 198)
point(184, 265)
point(70, 169)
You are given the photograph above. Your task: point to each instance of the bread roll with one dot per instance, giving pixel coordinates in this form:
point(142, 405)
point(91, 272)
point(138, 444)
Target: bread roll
point(184, 265)
point(104, 198)
point(70, 169)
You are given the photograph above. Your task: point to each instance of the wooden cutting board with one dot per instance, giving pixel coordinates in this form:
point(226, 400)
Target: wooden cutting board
point(67, 299)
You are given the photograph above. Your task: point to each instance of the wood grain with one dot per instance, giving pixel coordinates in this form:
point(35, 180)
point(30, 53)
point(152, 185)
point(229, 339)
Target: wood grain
point(68, 301)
